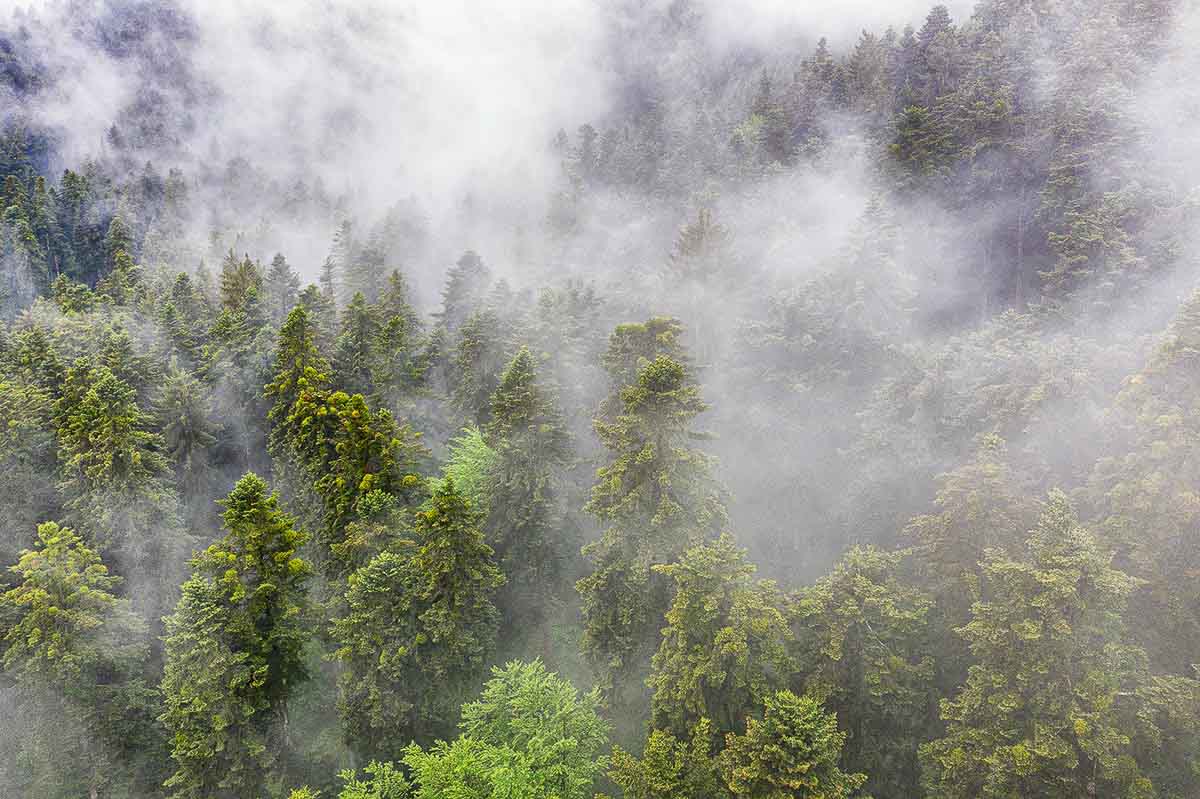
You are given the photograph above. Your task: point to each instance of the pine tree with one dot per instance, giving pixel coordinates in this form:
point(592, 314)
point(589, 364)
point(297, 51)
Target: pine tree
point(366, 273)
point(189, 433)
point(670, 768)
point(234, 652)
point(239, 278)
point(299, 368)
point(113, 474)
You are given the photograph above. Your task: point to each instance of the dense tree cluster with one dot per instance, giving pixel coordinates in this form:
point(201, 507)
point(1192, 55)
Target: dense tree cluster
point(270, 538)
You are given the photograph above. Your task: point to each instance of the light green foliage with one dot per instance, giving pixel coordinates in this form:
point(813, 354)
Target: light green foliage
point(470, 466)
point(540, 715)
point(670, 768)
point(351, 452)
point(382, 781)
point(234, 651)
point(1145, 494)
point(470, 769)
point(725, 647)
point(75, 653)
point(299, 369)
point(1045, 711)
point(418, 626)
point(791, 753)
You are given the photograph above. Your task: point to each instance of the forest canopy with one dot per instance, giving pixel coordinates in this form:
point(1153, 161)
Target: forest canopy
point(614, 400)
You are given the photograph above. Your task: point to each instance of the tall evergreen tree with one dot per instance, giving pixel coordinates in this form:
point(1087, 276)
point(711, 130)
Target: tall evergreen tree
point(282, 289)
point(76, 653)
point(418, 628)
point(524, 520)
point(1049, 708)
point(656, 497)
point(234, 652)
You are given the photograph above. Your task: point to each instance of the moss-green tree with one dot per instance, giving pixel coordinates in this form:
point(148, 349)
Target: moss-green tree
point(656, 498)
point(234, 652)
point(417, 629)
point(791, 753)
point(725, 646)
point(75, 653)
point(863, 648)
point(1047, 709)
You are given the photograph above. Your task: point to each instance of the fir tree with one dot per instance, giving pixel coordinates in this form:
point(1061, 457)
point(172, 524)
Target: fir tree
point(234, 651)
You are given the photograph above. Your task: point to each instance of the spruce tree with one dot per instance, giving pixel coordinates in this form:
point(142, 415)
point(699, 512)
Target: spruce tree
point(282, 289)
point(792, 753)
point(1048, 707)
point(725, 647)
point(524, 520)
point(656, 498)
point(234, 652)
point(75, 653)
point(418, 628)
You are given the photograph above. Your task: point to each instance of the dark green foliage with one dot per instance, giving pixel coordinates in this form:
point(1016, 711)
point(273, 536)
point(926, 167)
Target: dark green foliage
point(656, 499)
point(234, 651)
point(418, 626)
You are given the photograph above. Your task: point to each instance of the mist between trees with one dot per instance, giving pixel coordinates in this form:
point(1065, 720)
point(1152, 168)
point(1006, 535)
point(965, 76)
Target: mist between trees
point(646, 399)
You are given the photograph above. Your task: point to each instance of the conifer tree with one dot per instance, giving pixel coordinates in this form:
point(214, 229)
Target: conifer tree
point(76, 652)
point(863, 647)
point(478, 361)
point(656, 498)
point(234, 652)
point(357, 347)
point(282, 289)
point(418, 627)
point(725, 646)
point(792, 752)
point(467, 284)
point(1046, 710)
point(524, 516)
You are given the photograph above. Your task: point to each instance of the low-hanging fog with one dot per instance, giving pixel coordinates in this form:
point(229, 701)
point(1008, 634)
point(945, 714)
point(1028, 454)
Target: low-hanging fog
point(932, 268)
